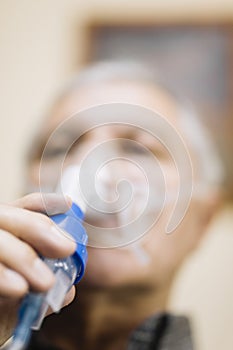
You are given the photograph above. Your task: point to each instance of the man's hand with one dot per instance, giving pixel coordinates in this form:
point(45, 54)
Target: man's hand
point(24, 233)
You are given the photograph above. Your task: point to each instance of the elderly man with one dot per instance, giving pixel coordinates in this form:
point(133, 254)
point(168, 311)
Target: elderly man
point(122, 298)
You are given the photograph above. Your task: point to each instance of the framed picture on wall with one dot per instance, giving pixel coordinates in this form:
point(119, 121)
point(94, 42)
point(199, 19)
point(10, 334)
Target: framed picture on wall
point(196, 60)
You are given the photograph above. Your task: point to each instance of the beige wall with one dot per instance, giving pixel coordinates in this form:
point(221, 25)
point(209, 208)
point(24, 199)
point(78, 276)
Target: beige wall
point(204, 286)
point(38, 41)
point(41, 43)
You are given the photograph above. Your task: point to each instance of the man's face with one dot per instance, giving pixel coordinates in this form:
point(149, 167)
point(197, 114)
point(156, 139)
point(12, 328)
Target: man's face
point(154, 257)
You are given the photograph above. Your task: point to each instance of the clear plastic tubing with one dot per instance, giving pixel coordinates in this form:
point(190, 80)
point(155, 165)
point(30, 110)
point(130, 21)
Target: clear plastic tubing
point(67, 272)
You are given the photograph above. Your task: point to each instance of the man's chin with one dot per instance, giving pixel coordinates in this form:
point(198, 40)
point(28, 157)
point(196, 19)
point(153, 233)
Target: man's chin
point(114, 268)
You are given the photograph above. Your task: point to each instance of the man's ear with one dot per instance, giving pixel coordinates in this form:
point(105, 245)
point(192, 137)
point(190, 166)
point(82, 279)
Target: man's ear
point(40, 178)
point(211, 204)
point(32, 181)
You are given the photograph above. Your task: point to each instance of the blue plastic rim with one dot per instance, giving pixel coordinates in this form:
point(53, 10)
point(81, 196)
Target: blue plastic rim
point(71, 222)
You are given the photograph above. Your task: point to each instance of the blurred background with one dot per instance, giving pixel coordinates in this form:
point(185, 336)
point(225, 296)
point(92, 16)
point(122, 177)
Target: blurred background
point(191, 42)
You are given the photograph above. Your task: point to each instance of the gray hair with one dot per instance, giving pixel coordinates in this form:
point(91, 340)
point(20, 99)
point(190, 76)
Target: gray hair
point(210, 167)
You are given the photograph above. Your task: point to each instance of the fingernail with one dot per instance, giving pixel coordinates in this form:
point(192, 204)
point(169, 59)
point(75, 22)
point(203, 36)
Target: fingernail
point(43, 273)
point(63, 236)
point(16, 280)
point(69, 200)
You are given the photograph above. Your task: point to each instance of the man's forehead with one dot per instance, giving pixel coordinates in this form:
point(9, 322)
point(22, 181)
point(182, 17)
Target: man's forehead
point(67, 123)
point(144, 94)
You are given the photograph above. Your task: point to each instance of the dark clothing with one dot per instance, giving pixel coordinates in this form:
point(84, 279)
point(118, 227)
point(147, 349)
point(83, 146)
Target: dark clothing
point(160, 332)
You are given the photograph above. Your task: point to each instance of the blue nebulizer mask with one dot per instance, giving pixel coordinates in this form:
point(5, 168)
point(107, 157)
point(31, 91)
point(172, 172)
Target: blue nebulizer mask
point(67, 271)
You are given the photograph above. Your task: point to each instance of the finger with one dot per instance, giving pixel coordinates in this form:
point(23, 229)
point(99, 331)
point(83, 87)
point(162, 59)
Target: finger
point(68, 299)
point(12, 285)
point(49, 203)
point(37, 230)
point(69, 296)
point(21, 258)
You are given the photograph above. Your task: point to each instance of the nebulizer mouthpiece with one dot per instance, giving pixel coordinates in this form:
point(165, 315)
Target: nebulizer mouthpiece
point(67, 271)
point(121, 194)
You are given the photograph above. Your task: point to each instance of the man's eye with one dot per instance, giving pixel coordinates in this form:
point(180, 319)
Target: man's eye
point(137, 149)
point(143, 151)
point(54, 152)
point(134, 148)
